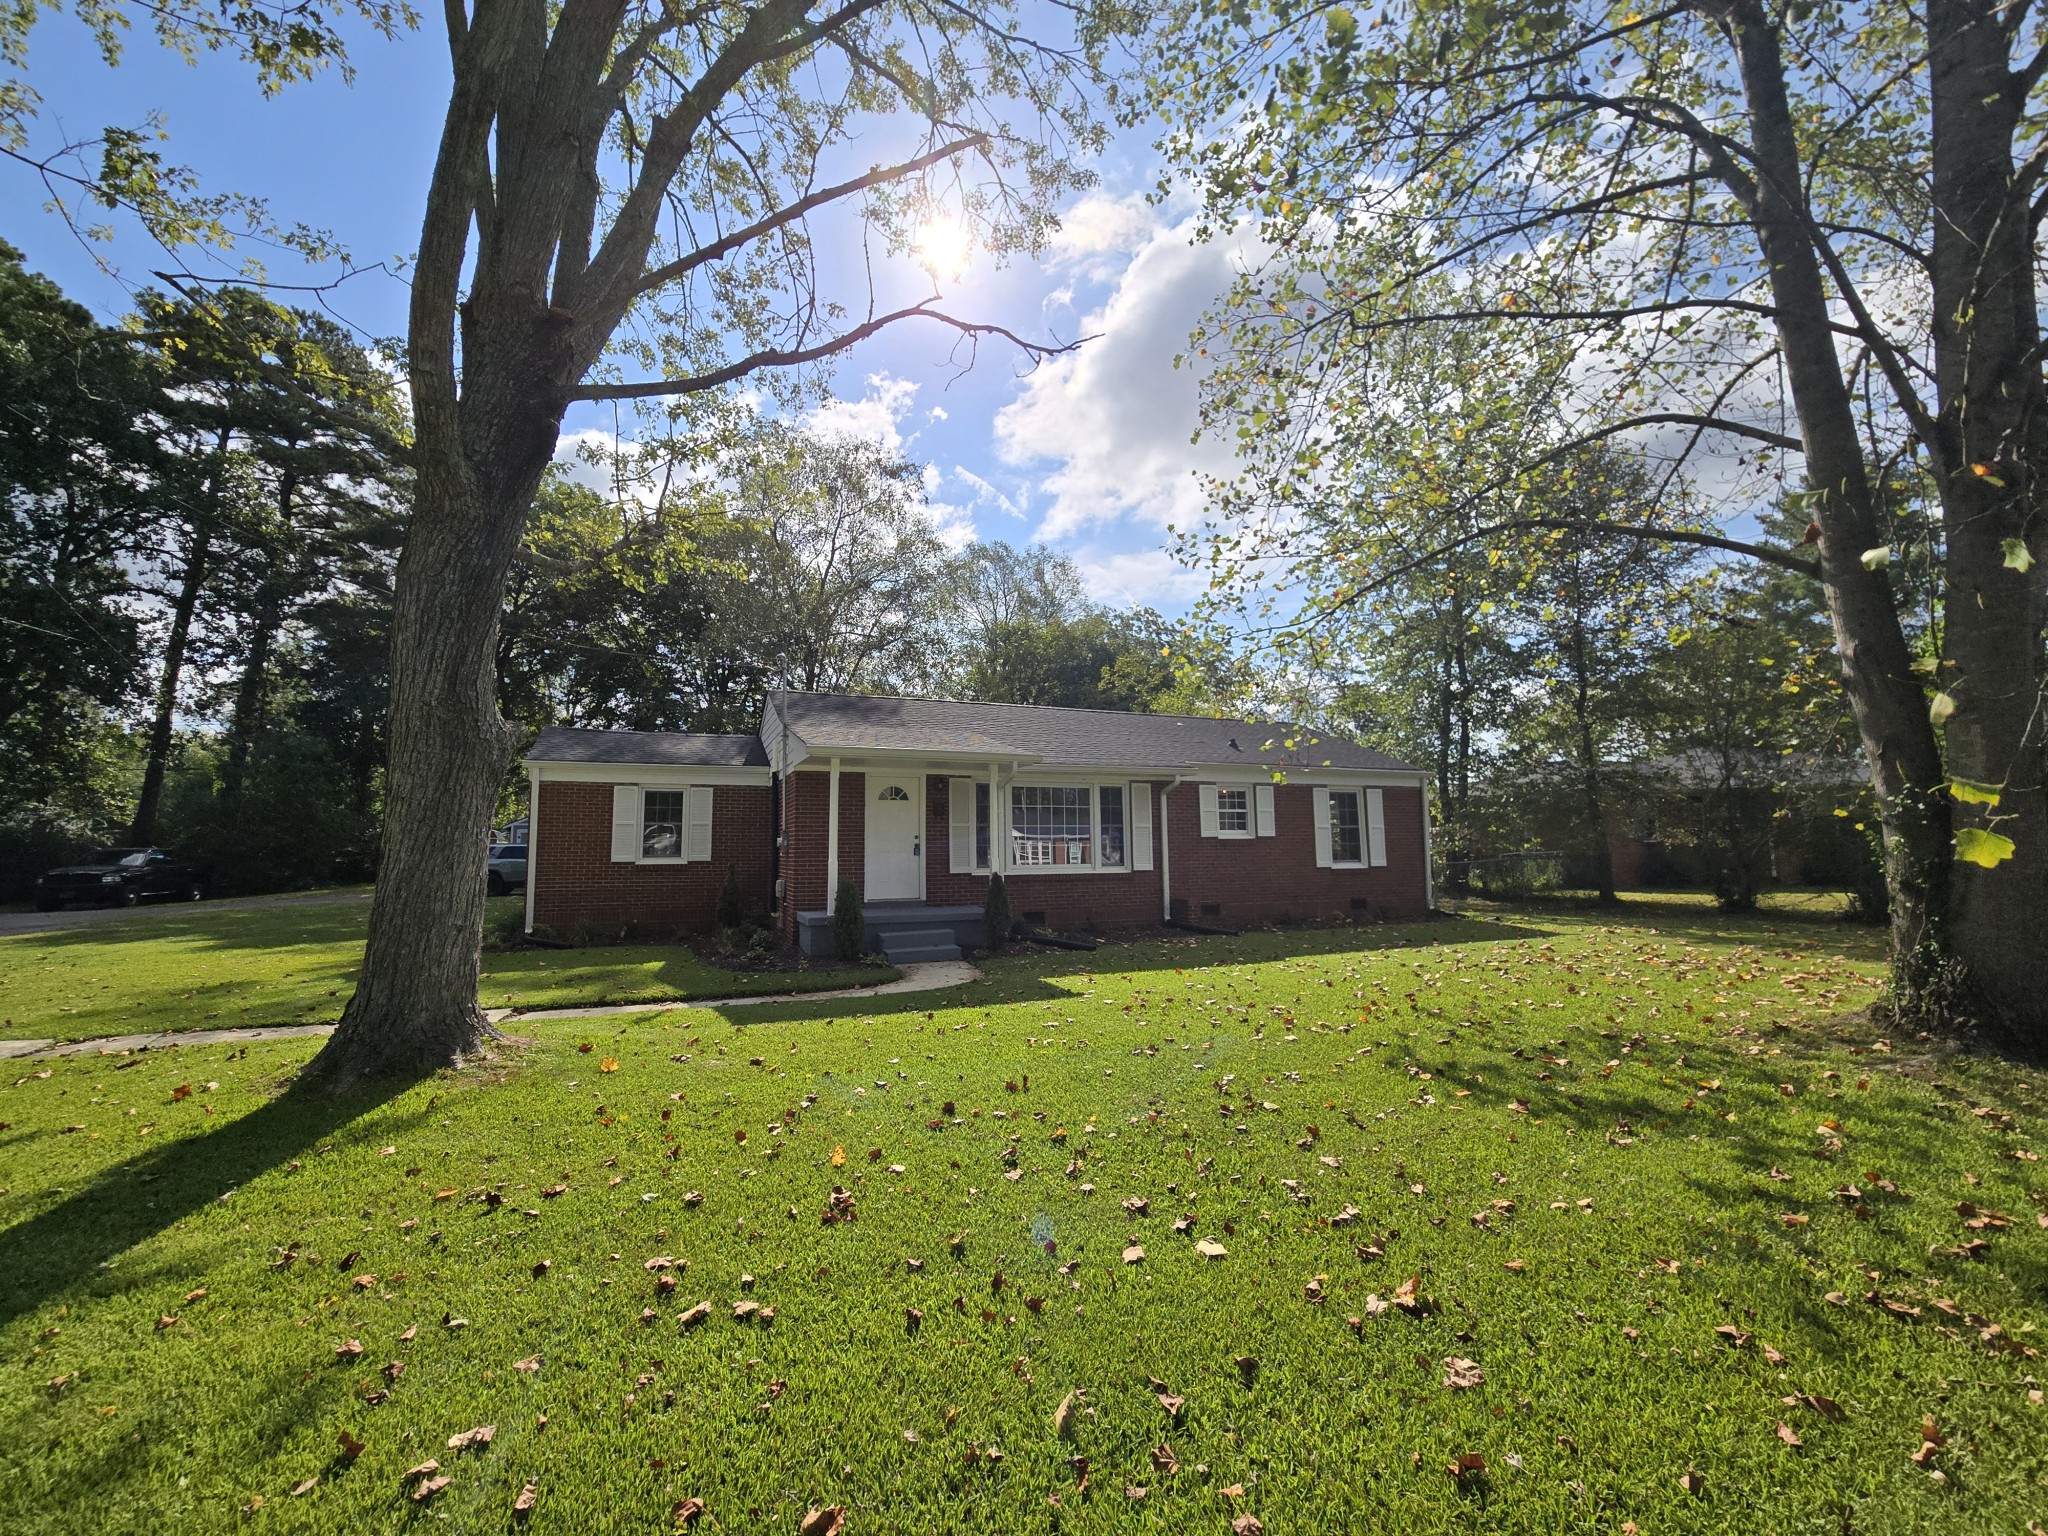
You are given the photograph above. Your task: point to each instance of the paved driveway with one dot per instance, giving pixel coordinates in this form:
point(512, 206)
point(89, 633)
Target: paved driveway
point(86, 917)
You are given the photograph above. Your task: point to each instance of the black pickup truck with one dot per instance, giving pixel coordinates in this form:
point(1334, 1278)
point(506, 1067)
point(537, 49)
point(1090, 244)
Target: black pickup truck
point(120, 877)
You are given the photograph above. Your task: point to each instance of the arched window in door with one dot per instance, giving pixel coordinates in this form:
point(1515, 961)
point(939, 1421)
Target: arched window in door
point(893, 792)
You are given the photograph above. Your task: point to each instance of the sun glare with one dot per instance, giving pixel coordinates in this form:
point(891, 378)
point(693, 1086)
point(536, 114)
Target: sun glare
point(944, 246)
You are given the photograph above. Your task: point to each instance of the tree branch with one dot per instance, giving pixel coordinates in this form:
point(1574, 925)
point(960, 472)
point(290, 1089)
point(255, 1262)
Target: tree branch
point(789, 357)
point(1784, 559)
point(682, 266)
point(1694, 419)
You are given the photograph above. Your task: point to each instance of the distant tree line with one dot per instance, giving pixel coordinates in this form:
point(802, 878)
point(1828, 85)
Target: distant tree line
point(204, 506)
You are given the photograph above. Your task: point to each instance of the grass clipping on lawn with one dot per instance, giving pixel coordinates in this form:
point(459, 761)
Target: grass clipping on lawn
point(1546, 1226)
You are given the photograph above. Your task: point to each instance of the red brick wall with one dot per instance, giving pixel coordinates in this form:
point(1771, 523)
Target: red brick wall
point(575, 880)
point(1250, 880)
point(1259, 879)
point(805, 819)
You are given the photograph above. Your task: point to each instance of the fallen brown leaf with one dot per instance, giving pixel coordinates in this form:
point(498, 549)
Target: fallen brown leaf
point(823, 1522)
point(1460, 1373)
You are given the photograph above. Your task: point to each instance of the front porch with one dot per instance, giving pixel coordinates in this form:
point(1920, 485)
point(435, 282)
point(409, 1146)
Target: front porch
point(905, 931)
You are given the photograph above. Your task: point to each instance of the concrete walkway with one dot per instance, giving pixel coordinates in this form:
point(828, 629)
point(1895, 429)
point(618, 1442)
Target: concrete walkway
point(932, 976)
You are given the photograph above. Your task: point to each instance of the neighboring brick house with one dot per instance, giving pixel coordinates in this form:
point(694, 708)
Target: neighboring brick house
point(1097, 818)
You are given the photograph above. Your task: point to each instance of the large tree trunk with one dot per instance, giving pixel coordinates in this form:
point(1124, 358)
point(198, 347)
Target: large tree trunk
point(1990, 457)
point(481, 448)
point(1884, 695)
point(156, 760)
point(415, 1006)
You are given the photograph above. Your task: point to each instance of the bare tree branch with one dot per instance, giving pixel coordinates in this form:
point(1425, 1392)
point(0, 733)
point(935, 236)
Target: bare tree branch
point(668, 272)
point(789, 357)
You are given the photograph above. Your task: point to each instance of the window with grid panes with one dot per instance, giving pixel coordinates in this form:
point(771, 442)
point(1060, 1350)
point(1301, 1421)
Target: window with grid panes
point(1347, 830)
point(662, 812)
point(1234, 810)
point(1050, 825)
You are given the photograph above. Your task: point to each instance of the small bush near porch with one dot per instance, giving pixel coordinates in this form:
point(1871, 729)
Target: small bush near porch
point(1530, 1223)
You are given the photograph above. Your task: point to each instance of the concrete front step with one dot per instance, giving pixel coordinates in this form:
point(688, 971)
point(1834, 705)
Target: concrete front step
point(906, 946)
point(896, 927)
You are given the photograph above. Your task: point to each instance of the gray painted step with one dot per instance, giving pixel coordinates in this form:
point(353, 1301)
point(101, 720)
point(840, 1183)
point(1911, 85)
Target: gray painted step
point(908, 946)
point(923, 954)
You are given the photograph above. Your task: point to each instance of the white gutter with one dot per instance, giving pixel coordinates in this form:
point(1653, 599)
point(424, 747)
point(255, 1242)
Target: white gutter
point(532, 832)
point(1165, 855)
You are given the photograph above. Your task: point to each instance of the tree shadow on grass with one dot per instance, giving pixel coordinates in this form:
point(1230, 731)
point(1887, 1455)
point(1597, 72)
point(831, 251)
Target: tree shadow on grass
point(131, 1202)
point(1034, 976)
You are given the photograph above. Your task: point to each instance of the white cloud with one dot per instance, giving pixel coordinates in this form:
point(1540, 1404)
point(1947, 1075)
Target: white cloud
point(1101, 224)
point(1135, 577)
point(986, 493)
point(1115, 417)
point(876, 416)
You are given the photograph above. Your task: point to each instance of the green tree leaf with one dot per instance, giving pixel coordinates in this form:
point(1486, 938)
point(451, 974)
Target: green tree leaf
point(1985, 849)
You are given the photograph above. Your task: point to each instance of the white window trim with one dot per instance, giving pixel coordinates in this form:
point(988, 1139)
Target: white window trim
point(687, 791)
point(1095, 866)
point(1364, 859)
point(1251, 815)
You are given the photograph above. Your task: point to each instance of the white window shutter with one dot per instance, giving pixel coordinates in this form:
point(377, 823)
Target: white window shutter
point(1206, 793)
point(697, 839)
point(960, 826)
point(1325, 854)
point(1376, 827)
point(1138, 800)
point(625, 823)
point(1262, 810)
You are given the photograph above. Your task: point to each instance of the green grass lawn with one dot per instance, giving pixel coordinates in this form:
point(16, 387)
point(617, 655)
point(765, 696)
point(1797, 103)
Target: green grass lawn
point(1666, 1205)
point(200, 967)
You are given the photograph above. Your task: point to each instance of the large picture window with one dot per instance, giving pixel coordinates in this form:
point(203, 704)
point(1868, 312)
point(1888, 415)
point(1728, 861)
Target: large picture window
point(1050, 825)
point(1347, 828)
point(662, 812)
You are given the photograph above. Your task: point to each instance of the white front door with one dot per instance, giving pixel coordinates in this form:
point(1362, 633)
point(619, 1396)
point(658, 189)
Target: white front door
point(895, 839)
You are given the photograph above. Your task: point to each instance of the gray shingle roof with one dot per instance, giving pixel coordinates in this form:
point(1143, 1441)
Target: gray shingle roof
point(1092, 738)
point(565, 744)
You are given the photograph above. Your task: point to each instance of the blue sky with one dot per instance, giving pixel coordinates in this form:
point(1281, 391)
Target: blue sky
point(1089, 452)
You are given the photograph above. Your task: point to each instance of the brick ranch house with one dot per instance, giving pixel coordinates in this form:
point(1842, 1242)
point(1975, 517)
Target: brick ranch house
point(1097, 819)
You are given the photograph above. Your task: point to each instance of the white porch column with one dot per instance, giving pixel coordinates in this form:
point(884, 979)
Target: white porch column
point(1165, 852)
point(832, 841)
point(998, 823)
point(532, 832)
